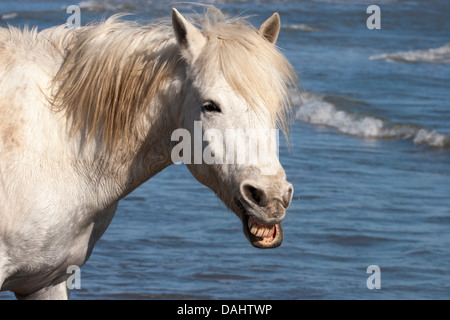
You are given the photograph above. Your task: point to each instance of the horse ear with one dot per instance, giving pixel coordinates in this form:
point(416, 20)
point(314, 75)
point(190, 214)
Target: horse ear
point(188, 36)
point(271, 28)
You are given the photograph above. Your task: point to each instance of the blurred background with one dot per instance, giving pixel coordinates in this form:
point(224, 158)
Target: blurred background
point(369, 160)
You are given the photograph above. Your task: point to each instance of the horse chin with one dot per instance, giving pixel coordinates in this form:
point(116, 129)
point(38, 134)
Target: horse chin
point(260, 235)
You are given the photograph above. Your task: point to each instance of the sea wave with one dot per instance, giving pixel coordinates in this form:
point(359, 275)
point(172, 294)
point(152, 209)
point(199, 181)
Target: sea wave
point(314, 109)
point(300, 27)
point(103, 5)
point(439, 55)
point(9, 15)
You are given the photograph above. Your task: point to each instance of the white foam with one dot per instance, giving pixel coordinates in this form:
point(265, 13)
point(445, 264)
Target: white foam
point(97, 5)
point(312, 108)
point(301, 27)
point(9, 15)
point(435, 55)
point(315, 110)
point(88, 4)
point(431, 138)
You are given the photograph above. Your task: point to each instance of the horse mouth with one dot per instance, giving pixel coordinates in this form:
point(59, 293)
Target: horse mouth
point(263, 236)
point(260, 235)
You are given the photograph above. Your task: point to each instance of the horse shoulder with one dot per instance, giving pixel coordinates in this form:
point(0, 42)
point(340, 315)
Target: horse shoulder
point(24, 81)
point(34, 197)
point(26, 123)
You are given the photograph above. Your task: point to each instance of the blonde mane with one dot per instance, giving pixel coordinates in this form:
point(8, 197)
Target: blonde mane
point(114, 69)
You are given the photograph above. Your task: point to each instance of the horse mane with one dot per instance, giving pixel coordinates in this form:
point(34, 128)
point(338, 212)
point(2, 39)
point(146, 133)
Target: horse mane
point(112, 71)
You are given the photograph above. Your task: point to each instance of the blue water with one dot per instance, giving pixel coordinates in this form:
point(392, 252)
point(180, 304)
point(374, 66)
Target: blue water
point(369, 161)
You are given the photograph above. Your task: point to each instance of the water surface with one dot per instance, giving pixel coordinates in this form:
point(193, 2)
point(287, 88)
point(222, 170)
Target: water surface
point(369, 161)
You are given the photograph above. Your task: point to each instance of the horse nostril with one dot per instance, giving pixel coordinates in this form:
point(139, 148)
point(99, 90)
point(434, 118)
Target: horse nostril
point(254, 195)
point(287, 197)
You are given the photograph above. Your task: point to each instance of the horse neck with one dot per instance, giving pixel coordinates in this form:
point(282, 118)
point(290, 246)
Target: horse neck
point(145, 146)
point(113, 171)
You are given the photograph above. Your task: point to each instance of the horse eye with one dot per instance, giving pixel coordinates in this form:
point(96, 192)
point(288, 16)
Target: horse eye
point(210, 106)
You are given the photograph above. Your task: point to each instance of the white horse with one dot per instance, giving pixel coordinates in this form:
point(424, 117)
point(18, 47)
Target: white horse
point(87, 116)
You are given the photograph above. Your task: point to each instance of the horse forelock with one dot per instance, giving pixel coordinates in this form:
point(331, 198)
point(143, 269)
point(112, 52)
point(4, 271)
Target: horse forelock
point(253, 67)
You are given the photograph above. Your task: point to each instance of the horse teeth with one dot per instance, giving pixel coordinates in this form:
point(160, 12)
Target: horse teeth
point(258, 230)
